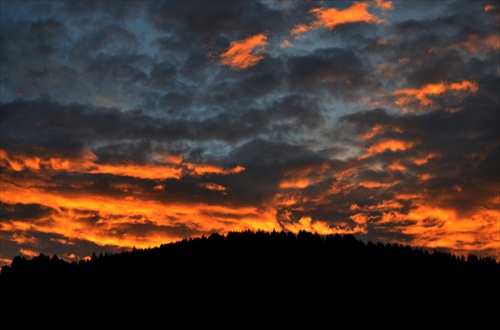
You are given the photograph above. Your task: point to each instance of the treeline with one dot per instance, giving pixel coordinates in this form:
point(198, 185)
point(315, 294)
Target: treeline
point(278, 277)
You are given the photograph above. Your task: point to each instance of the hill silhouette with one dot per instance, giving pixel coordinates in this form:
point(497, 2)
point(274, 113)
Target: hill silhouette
point(255, 280)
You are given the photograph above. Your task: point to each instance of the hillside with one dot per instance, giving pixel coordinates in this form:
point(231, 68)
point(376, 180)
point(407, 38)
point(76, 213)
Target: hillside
point(249, 280)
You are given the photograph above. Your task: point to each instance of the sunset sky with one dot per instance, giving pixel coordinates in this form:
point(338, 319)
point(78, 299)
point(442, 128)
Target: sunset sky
point(133, 124)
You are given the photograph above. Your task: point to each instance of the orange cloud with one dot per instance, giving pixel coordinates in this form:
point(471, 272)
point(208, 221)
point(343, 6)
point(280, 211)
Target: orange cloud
point(476, 44)
point(213, 186)
point(320, 227)
point(304, 176)
point(146, 171)
point(286, 43)
point(422, 94)
point(331, 17)
point(423, 160)
point(489, 7)
point(244, 53)
point(379, 129)
point(19, 162)
point(298, 183)
point(397, 166)
point(385, 5)
point(116, 217)
point(437, 227)
point(392, 145)
point(373, 184)
point(87, 163)
point(202, 169)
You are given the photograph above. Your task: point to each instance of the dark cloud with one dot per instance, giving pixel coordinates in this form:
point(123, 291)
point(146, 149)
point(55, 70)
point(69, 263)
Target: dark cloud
point(29, 212)
point(213, 17)
point(335, 70)
point(112, 39)
point(118, 10)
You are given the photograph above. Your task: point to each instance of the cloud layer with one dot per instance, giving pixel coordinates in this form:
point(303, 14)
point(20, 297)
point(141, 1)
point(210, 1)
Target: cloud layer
point(140, 123)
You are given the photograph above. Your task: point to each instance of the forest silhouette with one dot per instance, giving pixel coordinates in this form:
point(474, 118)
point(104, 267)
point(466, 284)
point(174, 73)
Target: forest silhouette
point(255, 280)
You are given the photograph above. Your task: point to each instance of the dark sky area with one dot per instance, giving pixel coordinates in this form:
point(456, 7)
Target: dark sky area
point(137, 123)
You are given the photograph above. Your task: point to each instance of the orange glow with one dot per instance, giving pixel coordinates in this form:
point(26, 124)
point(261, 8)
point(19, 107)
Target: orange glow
point(397, 166)
point(379, 129)
point(300, 183)
point(213, 186)
point(474, 44)
point(286, 43)
point(354, 207)
point(139, 171)
point(359, 218)
point(392, 145)
point(320, 227)
point(304, 176)
point(331, 17)
point(387, 205)
point(425, 177)
point(423, 160)
point(464, 86)
point(30, 253)
point(202, 169)
point(19, 162)
point(385, 5)
point(244, 53)
point(372, 184)
point(87, 163)
point(116, 215)
point(23, 239)
point(489, 7)
point(437, 227)
point(422, 94)
point(172, 159)
point(159, 187)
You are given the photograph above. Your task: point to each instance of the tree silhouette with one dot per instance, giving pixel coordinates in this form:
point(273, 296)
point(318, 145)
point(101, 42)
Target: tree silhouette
point(268, 279)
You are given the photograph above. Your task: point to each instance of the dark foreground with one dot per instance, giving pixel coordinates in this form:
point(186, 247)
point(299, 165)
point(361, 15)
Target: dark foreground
point(255, 281)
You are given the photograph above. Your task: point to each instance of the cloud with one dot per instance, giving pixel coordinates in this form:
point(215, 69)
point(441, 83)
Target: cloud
point(489, 7)
point(88, 163)
point(386, 5)
point(337, 70)
point(407, 95)
point(244, 53)
point(331, 17)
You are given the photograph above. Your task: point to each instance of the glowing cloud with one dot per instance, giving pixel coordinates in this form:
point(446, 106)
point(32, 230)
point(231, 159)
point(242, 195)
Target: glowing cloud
point(139, 171)
point(331, 17)
point(385, 5)
point(489, 7)
point(87, 163)
point(213, 186)
point(109, 220)
point(305, 176)
point(391, 145)
point(319, 227)
point(380, 129)
point(422, 95)
point(245, 53)
point(286, 43)
point(483, 44)
point(202, 169)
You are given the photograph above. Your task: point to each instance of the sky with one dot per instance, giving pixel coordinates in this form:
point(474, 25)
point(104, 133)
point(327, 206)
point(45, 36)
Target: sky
point(134, 124)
